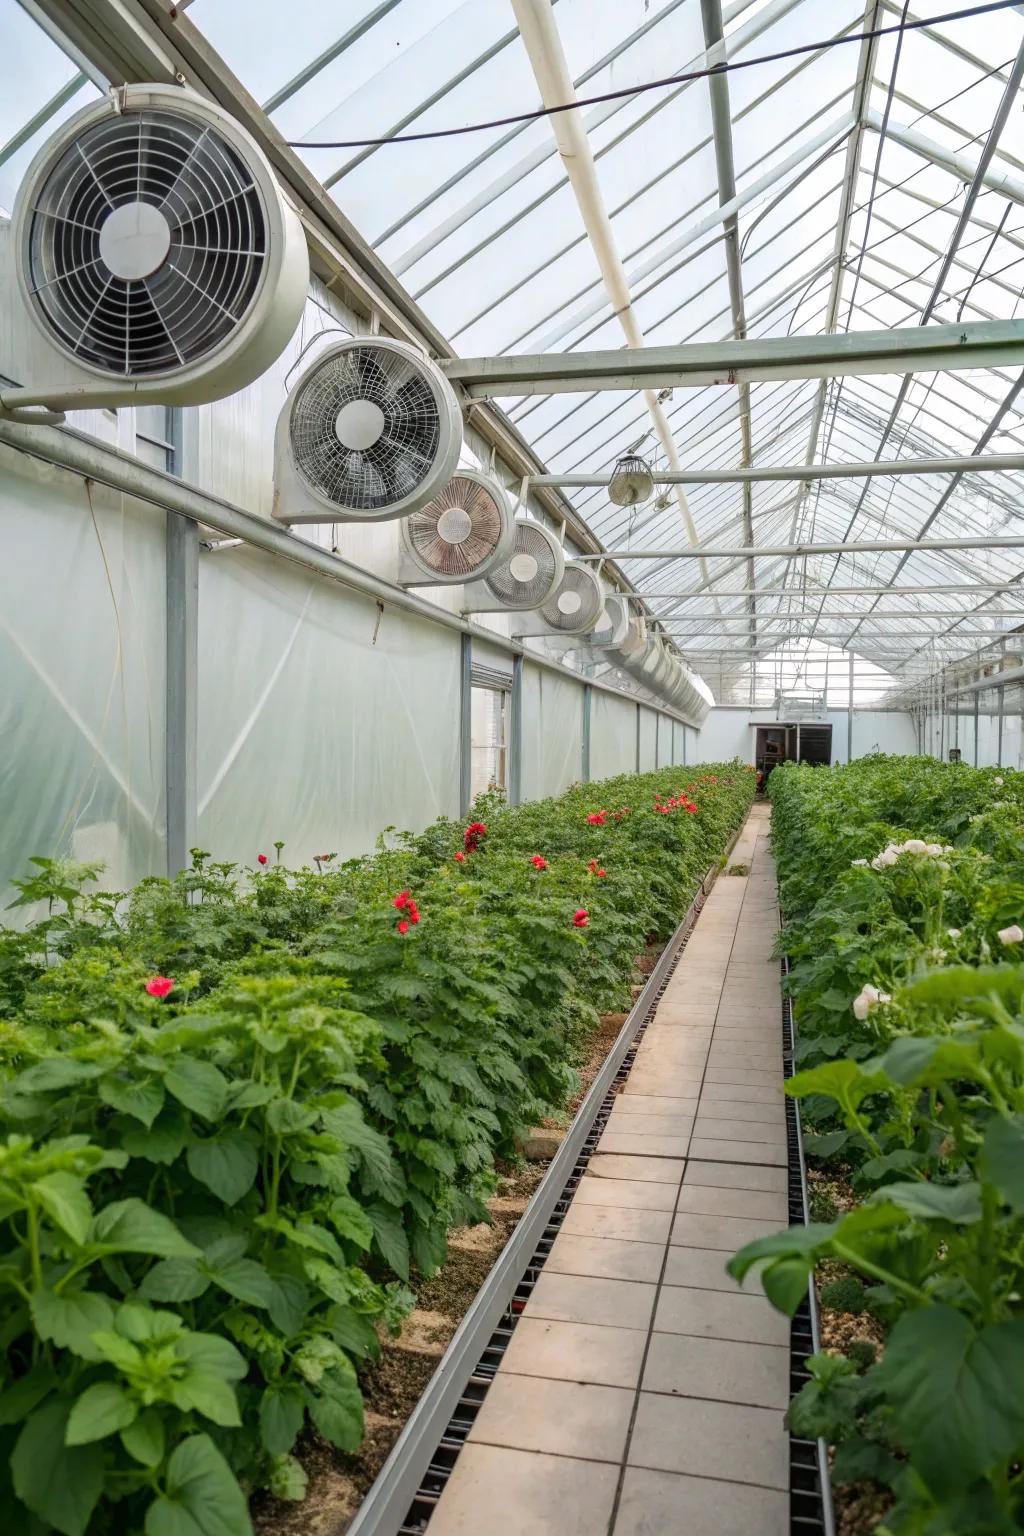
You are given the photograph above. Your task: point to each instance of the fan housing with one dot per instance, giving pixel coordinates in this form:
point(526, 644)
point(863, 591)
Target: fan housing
point(371, 431)
point(156, 255)
point(574, 607)
point(460, 535)
point(527, 575)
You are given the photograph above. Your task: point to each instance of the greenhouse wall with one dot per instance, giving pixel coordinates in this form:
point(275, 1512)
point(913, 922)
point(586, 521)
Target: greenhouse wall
point(726, 733)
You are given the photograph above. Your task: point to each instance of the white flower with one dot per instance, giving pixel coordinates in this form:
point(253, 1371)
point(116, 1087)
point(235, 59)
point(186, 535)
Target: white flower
point(954, 933)
point(1011, 935)
point(997, 779)
point(860, 1007)
point(915, 845)
point(884, 859)
point(859, 864)
point(871, 993)
point(884, 997)
point(934, 849)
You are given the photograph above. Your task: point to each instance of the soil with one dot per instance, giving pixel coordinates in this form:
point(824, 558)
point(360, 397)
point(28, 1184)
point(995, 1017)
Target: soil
point(393, 1385)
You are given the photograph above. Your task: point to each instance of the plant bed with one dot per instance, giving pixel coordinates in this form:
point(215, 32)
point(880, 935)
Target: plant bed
point(245, 1108)
point(902, 881)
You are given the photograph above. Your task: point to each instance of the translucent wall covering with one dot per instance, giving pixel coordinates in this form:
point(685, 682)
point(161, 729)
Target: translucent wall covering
point(82, 663)
point(648, 740)
point(552, 733)
point(320, 721)
point(612, 735)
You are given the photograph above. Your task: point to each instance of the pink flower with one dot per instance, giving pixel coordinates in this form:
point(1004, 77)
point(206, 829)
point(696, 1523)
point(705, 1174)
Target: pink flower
point(460, 858)
point(159, 986)
point(580, 917)
point(403, 926)
point(538, 862)
point(261, 858)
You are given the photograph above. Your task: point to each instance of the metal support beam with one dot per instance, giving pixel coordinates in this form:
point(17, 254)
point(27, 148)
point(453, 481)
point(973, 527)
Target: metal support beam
point(585, 754)
point(466, 724)
point(990, 463)
point(836, 547)
point(638, 737)
point(918, 349)
point(778, 615)
point(849, 716)
point(180, 730)
point(515, 761)
point(940, 587)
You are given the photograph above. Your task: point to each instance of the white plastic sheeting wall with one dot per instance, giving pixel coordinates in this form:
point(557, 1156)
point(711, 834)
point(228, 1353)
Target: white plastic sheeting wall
point(612, 735)
point(321, 721)
point(82, 668)
point(648, 740)
point(552, 749)
point(727, 733)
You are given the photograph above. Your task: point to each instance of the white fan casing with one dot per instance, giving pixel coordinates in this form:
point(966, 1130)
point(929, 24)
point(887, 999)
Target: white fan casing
point(614, 625)
point(349, 403)
point(126, 309)
point(462, 533)
point(574, 607)
point(526, 577)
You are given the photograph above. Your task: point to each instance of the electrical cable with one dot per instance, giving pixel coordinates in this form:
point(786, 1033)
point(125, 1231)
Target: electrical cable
point(654, 85)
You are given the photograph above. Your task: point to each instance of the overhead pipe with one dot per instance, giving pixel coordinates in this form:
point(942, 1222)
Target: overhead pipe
point(990, 463)
point(547, 59)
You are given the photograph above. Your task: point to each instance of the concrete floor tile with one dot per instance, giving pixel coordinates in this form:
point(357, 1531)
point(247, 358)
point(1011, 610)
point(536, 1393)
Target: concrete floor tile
point(712, 1108)
point(741, 1130)
point(737, 1176)
point(556, 1418)
point(610, 1357)
point(756, 1077)
point(714, 1314)
point(743, 1093)
point(706, 1199)
point(669, 1504)
point(651, 1104)
point(723, 1440)
point(757, 1374)
point(606, 1258)
point(632, 1194)
point(651, 1125)
point(584, 1299)
point(618, 1221)
point(738, 1152)
point(615, 1139)
point(673, 1082)
point(621, 1165)
point(537, 1495)
point(704, 1269)
point(701, 1230)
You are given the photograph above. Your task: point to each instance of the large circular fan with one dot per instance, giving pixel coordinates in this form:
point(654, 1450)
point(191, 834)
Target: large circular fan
point(576, 603)
point(463, 531)
point(534, 567)
point(374, 429)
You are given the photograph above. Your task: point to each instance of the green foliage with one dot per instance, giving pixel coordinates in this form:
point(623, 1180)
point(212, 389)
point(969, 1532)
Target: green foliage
point(920, 1087)
point(213, 1201)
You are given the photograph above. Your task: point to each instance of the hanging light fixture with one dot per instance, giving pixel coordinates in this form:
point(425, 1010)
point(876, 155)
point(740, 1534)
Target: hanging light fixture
point(631, 483)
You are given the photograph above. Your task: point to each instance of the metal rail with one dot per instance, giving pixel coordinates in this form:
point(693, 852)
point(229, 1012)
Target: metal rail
point(383, 1511)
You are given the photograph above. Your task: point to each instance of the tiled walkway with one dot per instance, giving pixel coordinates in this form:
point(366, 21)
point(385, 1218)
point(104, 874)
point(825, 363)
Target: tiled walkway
point(643, 1393)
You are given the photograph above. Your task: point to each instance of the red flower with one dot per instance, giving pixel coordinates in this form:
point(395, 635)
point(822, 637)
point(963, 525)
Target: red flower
point(403, 926)
point(597, 818)
point(401, 900)
point(538, 862)
point(601, 873)
point(580, 917)
point(159, 986)
point(261, 858)
point(692, 810)
point(413, 911)
point(460, 858)
point(474, 832)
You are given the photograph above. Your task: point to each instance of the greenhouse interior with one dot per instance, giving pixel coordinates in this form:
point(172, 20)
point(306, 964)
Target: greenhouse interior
point(512, 963)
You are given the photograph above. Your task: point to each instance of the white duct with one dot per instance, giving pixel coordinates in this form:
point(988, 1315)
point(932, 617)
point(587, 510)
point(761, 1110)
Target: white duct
point(547, 59)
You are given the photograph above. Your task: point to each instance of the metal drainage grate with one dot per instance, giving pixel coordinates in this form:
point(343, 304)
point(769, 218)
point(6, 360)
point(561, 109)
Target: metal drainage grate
point(461, 1422)
point(810, 1491)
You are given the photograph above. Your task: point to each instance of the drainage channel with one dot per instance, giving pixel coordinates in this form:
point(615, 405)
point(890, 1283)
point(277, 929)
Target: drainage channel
point(810, 1488)
point(409, 1485)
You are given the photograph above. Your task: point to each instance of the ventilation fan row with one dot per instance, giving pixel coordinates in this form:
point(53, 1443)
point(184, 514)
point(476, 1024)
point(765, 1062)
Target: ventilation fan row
point(159, 261)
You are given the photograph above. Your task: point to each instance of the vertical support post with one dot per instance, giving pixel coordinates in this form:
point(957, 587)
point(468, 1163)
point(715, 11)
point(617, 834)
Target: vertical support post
point(182, 644)
point(798, 741)
point(515, 761)
point(638, 737)
point(684, 746)
point(673, 744)
point(849, 717)
point(588, 694)
point(466, 725)
point(976, 730)
point(999, 734)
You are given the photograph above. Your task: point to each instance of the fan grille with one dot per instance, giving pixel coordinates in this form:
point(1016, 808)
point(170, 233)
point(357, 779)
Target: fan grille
point(170, 295)
point(458, 531)
point(391, 389)
point(504, 583)
point(575, 604)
